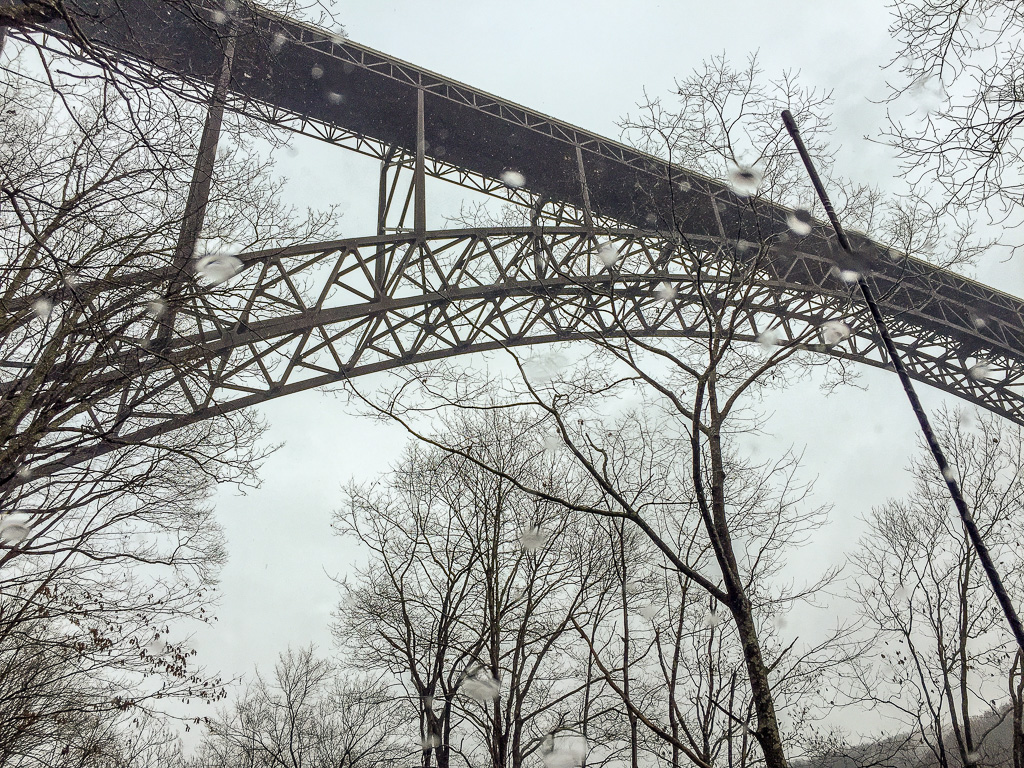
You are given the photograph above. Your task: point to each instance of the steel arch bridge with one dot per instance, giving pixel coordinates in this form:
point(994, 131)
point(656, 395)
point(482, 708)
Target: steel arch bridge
point(310, 315)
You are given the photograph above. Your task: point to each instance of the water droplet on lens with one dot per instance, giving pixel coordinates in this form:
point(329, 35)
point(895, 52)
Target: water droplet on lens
point(928, 93)
point(430, 742)
point(648, 611)
point(42, 308)
point(552, 443)
point(834, 331)
point(665, 291)
point(608, 254)
point(155, 308)
point(219, 17)
point(948, 474)
point(981, 372)
point(25, 472)
point(745, 180)
point(978, 319)
point(533, 538)
point(338, 37)
point(800, 222)
point(513, 179)
point(973, 758)
point(334, 98)
point(316, 72)
point(770, 338)
point(712, 619)
point(278, 43)
point(216, 268)
point(481, 687)
point(156, 647)
point(849, 275)
point(565, 752)
point(13, 532)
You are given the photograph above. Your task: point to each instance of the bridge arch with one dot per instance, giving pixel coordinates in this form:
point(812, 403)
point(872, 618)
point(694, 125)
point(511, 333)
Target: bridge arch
point(312, 315)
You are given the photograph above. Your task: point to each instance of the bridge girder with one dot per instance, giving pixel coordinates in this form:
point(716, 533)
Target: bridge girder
point(314, 315)
point(311, 315)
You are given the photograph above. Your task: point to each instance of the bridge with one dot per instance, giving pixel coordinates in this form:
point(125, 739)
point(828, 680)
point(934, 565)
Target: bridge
point(314, 314)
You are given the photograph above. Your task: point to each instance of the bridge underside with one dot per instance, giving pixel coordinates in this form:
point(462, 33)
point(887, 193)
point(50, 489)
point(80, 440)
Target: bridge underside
point(317, 314)
point(313, 315)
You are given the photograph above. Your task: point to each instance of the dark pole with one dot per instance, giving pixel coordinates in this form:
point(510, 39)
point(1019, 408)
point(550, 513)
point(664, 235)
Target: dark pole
point(199, 191)
point(922, 418)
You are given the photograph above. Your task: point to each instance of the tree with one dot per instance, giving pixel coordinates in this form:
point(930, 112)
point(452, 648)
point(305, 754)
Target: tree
point(100, 560)
point(946, 655)
point(701, 391)
point(310, 714)
point(469, 595)
point(961, 64)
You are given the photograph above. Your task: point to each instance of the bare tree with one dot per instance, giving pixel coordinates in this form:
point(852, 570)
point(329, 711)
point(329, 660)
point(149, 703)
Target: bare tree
point(111, 553)
point(703, 390)
point(961, 65)
point(309, 714)
point(469, 596)
point(945, 653)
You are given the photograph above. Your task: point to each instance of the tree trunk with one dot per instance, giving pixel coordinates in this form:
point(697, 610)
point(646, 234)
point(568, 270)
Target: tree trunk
point(767, 733)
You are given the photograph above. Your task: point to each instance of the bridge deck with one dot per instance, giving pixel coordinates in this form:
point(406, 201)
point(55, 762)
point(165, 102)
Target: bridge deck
point(295, 74)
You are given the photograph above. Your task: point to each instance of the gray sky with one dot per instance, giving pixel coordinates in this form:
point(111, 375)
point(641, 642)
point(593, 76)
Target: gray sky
point(587, 63)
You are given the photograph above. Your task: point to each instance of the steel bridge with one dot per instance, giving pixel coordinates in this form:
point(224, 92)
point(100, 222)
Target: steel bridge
point(311, 315)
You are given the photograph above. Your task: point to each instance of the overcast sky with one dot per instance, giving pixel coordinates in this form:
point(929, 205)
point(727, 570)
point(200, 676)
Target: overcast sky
point(587, 63)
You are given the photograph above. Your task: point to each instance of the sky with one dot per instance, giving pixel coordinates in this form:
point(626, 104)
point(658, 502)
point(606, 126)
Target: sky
point(587, 63)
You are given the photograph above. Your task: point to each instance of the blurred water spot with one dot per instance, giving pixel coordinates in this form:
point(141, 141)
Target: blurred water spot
point(745, 180)
point(712, 619)
point(533, 538)
point(155, 308)
point(552, 443)
point(770, 337)
point(565, 752)
point(834, 331)
point(799, 222)
point(42, 308)
point(982, 372)
point(216, 268)
point(430, 741)
point(927, 94)
point(13, 532)
point(849, 275)
point(665, 291)
point(608, 254)
point(513, 179)
point(481, 687)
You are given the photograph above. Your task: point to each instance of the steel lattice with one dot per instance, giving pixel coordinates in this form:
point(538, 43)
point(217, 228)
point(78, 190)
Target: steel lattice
point(310, 316)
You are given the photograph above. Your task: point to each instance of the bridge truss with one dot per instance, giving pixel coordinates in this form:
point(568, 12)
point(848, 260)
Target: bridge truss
point(315, 314)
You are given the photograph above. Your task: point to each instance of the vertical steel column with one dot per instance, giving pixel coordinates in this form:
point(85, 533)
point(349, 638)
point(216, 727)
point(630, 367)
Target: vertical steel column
point(384, 193)
point(419, 173)
point(588, 219)
point(199, 191)
point(383, 207)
